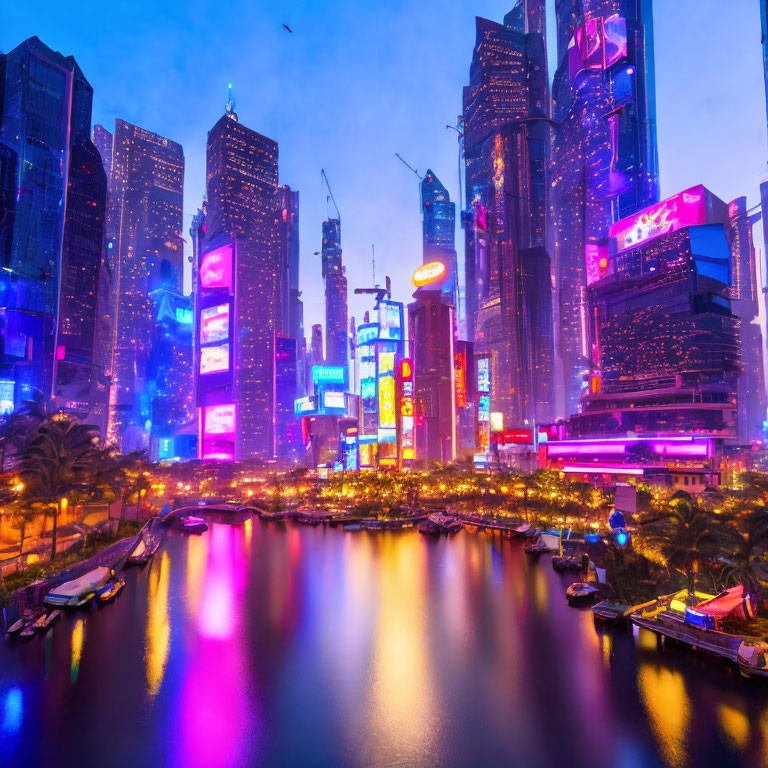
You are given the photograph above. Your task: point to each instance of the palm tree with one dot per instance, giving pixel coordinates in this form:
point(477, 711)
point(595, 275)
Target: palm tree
point(57, 461)
point(686, 535)
point(745, 561)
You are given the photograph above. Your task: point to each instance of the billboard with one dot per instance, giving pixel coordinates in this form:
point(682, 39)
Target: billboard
point(484, 408)
point(214, 324)
point(596, 257)
point(427, 274)
point(386, 387)
point(460, 377)
point(333, 401)
point(685, 209)
point(483, 375)
point(214, 359)
point(329, 374)
point(216, 268)
point(391, 320)
point(218, 424)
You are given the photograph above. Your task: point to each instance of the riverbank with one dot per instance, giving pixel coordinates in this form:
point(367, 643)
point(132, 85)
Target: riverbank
point(18, 581)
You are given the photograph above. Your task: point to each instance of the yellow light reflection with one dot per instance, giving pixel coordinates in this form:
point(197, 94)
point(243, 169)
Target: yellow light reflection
point(158, 625)
point(78, 638)
point(735, 726)
point(662, 691)
point(402, 698)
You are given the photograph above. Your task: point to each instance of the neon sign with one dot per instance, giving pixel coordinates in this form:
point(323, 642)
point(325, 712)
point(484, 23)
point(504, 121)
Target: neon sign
point(218, 429)
point(329, 374)
point(686, 209)
point(216, 268)
point(429, 273)
point(387, 419)
point(483, 375)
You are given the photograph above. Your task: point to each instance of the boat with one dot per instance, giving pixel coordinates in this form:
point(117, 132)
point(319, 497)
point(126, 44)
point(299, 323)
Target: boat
point(18, 626)
point(523, 531)
point(611, 612)
point(192, 524)
point(562, 563)
point(445, 523)
point(111, 590)
point(144, 550)
point(79, 591)
point(544, 543)
point(41, 623)
point(583, 592)
point(353, 527)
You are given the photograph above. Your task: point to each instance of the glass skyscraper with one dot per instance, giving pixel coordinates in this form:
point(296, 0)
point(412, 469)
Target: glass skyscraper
point(604, 163)
point(506, 126)
point(52, 218)
point(243, 209)
point(336, 343)
point(145, 251)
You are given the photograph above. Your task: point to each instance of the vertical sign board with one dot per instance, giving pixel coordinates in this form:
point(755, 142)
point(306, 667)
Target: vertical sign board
point(366, 341)
point(214, 351)
point(406, 409)
point(387, 431)
point(483, 404)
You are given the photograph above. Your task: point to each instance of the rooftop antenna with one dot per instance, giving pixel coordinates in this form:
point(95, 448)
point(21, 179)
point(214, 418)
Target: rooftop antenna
point(373, 262)
point(229, 107)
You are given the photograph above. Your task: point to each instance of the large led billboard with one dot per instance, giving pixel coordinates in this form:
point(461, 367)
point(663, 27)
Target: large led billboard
point(214, 324)
point(391, 320)
point(685, 209)
point(214, 359)
point(329, 374)
point(483, 375)
point(218, 424)
point(216, 268)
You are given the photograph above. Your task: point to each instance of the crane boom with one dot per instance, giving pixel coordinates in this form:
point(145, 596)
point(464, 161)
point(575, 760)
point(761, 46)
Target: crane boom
point(408, 165)
point(330, 194)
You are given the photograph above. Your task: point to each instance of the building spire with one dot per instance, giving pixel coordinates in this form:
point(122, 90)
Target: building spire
point(229, 107)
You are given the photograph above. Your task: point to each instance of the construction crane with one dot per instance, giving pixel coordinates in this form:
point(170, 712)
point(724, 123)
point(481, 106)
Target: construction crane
point(330, 197)
point(408, 166)
point(377, 291)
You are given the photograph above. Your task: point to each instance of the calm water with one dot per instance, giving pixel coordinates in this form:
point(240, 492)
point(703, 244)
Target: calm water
point(279, 645)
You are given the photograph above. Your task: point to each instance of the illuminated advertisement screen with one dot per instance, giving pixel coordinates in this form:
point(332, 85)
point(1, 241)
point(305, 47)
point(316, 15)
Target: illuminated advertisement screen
point(367, 333)
point(218, 429)
point(214, 324)
point(497, 421)
point(460, 378)
point(483, 375)
point(304, 405)
point(329, 374)
point(216, 268)
point(686, 209)
point(390, 320)
point(333, 401)
point(386, 381)
point(596, 257)
point(214, 359)
point(484, 408)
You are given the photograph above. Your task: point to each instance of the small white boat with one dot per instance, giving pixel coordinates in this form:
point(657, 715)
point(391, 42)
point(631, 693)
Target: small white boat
point(192, 524)
point(79, 591)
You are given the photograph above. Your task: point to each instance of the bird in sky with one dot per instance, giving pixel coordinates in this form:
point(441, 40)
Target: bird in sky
point(286, 27)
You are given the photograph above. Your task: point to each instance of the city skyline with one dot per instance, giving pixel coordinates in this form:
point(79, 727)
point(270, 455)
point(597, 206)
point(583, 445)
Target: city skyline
point(157, 92)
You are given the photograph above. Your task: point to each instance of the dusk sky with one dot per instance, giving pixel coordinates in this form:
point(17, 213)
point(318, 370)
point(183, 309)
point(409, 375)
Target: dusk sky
point(357, 82)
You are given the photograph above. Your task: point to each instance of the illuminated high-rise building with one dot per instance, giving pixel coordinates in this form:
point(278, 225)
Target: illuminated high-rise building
point(506, 127)
point(145, 250)
point(243, 234)
point(663, 331)
point(744, 294)
point(604, 163)
point(336, 340)
point(316, 356)
point(52, 218)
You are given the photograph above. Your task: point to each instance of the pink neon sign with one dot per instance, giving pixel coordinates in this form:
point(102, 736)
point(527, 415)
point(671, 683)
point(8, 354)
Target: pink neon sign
point(216, 268)
point(686, 209)
point(596, 257)
point(218, 432)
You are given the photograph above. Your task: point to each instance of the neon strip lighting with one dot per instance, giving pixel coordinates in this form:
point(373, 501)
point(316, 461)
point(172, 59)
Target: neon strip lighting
point(604, 470)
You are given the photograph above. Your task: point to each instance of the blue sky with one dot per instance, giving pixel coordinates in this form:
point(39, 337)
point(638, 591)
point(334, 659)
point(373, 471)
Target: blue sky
point(357, 82)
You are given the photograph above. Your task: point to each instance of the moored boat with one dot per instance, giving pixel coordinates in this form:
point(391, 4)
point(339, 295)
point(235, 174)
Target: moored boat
point(79, 591)
point(19, 625)
point(42, 622)
point(583, 592)
point(192, 524)
point(111, 590)
point(544, 543)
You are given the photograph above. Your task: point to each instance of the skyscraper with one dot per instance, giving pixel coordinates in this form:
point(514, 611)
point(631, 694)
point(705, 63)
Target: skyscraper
point(52, 214)
point(145, 239)
point(336, 344)
point(242, 214)
point(506, 128)
point(604, 163)
point(664, 334)
point(744, 293)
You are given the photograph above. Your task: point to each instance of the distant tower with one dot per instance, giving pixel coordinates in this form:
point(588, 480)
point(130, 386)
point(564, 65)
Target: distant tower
point(335, 295)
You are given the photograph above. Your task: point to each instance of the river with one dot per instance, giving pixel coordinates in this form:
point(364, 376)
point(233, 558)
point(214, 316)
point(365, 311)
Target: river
point(274, 644)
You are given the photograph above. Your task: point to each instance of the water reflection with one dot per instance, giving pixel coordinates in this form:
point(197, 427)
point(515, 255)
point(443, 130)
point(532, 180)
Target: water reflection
point(279, 645)
point(158, 628)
